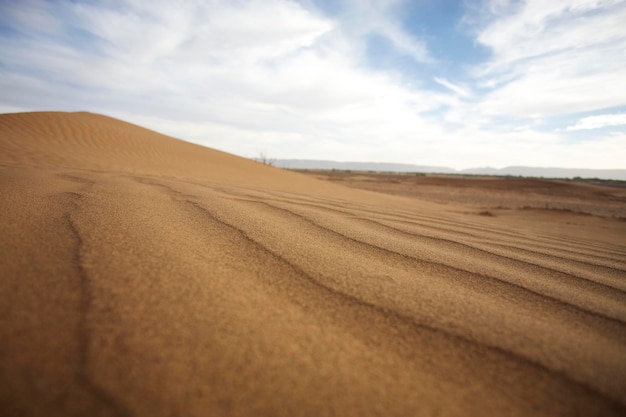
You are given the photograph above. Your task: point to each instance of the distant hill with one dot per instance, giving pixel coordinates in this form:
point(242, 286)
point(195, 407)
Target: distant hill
point(612, 174)
point(606, 174)
point(359, 166)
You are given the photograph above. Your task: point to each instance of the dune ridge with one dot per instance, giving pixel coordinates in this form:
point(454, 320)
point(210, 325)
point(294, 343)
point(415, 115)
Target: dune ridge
point(143, 275)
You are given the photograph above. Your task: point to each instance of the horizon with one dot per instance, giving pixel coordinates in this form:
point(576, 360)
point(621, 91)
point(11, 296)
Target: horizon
point(494, 83)
point(436, 166)
point(522, 171)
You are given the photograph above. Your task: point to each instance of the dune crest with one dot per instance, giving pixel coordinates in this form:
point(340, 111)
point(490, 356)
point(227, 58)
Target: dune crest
point(146, 276)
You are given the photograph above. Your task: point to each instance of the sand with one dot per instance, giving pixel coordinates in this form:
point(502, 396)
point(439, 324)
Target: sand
point(601, 198)
point(145, 276)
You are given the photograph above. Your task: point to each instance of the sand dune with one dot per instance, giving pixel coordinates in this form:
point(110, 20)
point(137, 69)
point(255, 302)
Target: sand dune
point(146, 276)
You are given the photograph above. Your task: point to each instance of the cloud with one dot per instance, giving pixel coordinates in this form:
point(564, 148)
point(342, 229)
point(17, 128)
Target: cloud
point(264, 66)
point(534, 28)
point(554, 58)
point(361, 18)
point(459, 90)
point(597, 122)
point(284, 77)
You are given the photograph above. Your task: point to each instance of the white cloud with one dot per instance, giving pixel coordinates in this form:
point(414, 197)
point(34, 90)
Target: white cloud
point(596, 122)
point(257, 65)
point(537, 27)
point(554, 58)
point(561, 85)
point(366, 17)
point(458, 89)
point(279, 77)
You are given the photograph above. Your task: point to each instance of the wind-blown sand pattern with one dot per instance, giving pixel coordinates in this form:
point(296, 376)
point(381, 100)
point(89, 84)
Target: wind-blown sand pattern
point(145, 276)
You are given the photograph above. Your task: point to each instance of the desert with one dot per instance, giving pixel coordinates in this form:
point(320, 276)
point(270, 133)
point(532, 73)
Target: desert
point(142, 275)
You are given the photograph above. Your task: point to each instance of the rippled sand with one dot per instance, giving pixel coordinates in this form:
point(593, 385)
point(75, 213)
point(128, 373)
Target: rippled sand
point(145, 276)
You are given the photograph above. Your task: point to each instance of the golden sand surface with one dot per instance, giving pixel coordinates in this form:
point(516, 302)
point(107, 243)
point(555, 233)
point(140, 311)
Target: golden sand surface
point(145, 276)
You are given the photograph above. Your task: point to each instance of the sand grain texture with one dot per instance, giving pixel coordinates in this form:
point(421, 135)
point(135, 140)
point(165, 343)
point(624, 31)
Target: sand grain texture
point(145, 276)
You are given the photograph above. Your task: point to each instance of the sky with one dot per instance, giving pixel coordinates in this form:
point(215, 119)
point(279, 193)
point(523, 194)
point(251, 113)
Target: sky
point(460, 84)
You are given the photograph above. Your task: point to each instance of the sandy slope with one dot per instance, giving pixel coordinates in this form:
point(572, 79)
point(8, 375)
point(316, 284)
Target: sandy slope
point(144, 276)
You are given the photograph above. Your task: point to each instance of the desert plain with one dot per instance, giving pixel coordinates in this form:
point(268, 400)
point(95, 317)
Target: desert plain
point(141, 275)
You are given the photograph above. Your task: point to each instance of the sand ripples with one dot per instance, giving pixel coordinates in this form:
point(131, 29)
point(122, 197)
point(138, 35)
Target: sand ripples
point(187, 290)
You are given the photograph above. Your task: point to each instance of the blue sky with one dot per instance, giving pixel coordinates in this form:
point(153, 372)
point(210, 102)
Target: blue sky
point(449, 83)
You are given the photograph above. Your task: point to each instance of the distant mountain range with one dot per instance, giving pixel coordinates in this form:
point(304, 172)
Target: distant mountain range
point(607, 174)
